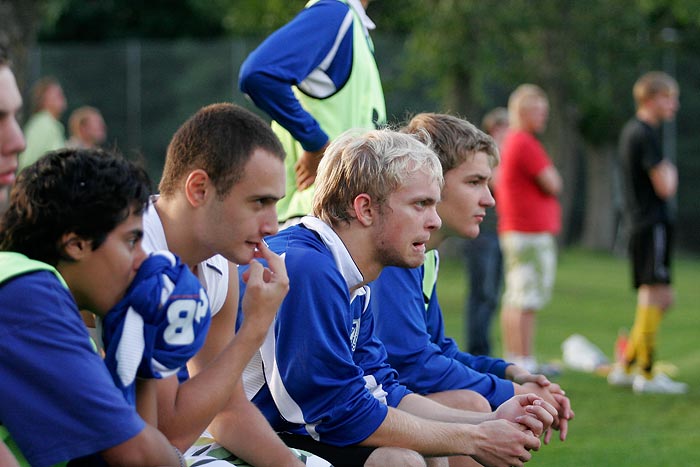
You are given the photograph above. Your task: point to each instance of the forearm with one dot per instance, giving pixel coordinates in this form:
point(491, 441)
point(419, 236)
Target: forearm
point(425, 408)
point(148, 448)
point(244, 431)
point(430, 438)
point(147, 400)
point(6, 457)
point(199, 399)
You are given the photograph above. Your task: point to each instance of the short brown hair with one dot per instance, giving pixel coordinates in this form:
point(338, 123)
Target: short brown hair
point(219, 139)
point(453, 139)
point(39, 90)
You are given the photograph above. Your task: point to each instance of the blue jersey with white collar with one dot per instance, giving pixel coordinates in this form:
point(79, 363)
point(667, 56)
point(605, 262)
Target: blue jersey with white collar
point(410, 325)
point(325, 372)
point(287, 58)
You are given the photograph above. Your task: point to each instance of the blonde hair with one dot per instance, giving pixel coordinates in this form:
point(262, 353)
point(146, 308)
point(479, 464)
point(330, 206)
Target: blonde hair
point(376, 162)
point(652, 84)
point(522, 97)
point(79, 116)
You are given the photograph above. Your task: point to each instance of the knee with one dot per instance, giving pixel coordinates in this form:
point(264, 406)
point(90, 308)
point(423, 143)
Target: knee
point(395, 456)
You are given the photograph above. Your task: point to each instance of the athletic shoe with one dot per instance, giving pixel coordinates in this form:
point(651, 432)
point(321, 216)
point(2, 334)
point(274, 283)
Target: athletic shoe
point(659, 384)
point(619, 376)
point(550, 370)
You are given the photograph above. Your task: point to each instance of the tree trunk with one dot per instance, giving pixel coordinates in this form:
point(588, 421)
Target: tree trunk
point(603, 209)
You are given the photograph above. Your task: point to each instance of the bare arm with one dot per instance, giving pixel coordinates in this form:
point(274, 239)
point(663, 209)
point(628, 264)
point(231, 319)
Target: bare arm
point(257, 444)
point(497, 443)
point(307, 166)
point(6, 457)
point(527, 409)
point(185, 410)
point(148, 448)
point(664, 179)
point(147, 400)
point(549, 181)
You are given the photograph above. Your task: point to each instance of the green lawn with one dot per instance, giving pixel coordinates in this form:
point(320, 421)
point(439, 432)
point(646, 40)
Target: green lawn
point(613, 426)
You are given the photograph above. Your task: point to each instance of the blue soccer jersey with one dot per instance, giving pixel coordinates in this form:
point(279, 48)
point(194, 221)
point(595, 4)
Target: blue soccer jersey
point(57, 398)
point(410, 325)
point(160, 324)
point(292, 55)
point(323, 371)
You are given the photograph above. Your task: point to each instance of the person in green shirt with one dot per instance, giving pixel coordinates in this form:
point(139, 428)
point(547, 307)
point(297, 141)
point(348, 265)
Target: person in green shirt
point(44, 131)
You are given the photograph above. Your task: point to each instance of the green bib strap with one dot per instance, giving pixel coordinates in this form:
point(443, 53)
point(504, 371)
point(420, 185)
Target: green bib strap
point(430, 273)
point(16, 264)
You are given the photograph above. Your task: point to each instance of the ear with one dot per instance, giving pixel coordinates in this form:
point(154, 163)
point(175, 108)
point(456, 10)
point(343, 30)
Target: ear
point(364, 210)
point(74, 247)
point(198, 187)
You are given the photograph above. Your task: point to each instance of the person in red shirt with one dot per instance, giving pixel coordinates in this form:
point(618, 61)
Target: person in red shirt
point(529, 218)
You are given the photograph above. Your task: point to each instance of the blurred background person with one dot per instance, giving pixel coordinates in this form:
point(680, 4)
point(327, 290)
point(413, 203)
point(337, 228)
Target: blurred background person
point(529, 217)
point(651, 182)
point(483, 258)
point(44, 131)
point(87, 128)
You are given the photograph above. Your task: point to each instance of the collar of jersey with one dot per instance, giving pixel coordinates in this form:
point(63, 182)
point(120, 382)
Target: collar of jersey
point(341, 255)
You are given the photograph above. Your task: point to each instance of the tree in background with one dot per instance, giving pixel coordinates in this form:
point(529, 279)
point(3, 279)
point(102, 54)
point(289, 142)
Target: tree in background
point(464, 56)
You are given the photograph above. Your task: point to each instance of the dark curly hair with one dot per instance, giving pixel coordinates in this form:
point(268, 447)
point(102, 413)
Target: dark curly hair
point(84, 191)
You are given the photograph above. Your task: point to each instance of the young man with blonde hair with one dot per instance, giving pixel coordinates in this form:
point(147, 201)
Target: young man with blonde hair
point(651, 181)
point(323, 378)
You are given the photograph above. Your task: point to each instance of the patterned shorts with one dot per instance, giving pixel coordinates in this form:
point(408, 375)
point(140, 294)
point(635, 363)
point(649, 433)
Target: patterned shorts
point(530, 263)
point(207, 452)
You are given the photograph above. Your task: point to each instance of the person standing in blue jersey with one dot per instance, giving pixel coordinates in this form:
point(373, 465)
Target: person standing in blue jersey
point(405, 303)
point(70, 240)
point(316, 77)
point(322, 379)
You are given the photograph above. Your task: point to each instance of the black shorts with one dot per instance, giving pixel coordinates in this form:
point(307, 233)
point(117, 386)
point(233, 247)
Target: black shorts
point(650, 251)
point(348, 456)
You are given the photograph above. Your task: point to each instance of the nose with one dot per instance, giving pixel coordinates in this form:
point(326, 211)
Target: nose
point(15, 143)
point(269, 222)
point(488, 200)
point(139, 256)
point(434, 221)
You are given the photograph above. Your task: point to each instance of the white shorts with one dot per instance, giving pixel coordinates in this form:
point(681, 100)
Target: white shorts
point(206, 451)
point(530, 263)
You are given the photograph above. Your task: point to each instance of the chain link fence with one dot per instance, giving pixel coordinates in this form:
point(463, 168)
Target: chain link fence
point(146, 89)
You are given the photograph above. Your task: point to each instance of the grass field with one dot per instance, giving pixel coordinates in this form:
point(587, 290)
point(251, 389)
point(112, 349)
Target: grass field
point(613, 426)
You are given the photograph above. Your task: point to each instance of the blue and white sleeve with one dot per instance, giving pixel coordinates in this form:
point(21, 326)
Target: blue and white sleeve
point(315, 381)
point(287, 57)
